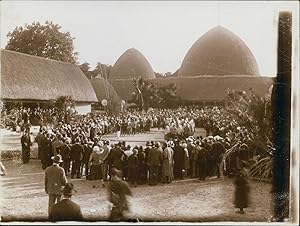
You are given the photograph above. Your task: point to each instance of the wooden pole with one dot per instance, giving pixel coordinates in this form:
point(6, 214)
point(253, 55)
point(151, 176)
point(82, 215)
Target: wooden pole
point(281, 106)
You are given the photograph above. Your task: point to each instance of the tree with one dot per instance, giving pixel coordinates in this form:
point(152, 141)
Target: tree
point(85, 68)
point(252, 115)
point(44, 40)
point(148, 94)
point(103, 70)
point(63, 105)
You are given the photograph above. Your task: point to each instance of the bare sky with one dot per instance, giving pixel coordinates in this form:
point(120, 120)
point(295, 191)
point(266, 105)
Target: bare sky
point(162, 31)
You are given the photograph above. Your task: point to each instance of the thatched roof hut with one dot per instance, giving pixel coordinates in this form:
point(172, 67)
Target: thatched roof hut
point(104, 90)
point(219, 52)
point(31, 78)
point(132, 63)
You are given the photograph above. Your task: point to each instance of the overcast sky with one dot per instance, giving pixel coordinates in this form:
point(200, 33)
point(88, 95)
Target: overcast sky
point(162, 31)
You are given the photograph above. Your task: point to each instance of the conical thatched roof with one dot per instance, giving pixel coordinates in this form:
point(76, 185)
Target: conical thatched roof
point(26, 77)
point(132, 63)
point(219, 52)
point(104, 90)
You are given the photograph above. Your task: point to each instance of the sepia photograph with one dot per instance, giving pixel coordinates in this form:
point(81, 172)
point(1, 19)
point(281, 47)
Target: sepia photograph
point(150, 112)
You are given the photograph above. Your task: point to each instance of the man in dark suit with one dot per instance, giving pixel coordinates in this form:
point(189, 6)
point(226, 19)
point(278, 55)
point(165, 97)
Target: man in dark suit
point(66, 209)
point(87, 151)
point(65, 150)
point(154, 161)
point(115, 157)
point(26, 143)
point(55, 178)
point(76, 158)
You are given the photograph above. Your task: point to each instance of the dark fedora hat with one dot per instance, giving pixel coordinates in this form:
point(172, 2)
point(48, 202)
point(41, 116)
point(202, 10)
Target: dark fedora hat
point(57, 158)
point(68, 189)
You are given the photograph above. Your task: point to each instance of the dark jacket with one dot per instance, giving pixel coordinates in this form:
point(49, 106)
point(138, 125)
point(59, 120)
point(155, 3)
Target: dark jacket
point(115, 157)
point(25, 141)
point(76, 152)
point(65, 210)
point(155, 157)
point(133, 161)
point(87, 151)
point(64, 150)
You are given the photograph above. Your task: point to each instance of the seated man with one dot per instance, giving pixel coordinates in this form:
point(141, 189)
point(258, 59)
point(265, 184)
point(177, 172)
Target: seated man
point(66, 209)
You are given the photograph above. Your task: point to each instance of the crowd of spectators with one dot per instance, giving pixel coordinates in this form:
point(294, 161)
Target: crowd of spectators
point(78, 138)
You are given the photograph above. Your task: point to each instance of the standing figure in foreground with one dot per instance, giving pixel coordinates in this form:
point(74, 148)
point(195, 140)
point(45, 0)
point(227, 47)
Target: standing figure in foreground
point(168, 163)
point(55, 179)
point(66, 209)
point(133, 164)
point(26, 143)
point(117, 192)
point(76, 157)
point(95, 163)
point(241, 190)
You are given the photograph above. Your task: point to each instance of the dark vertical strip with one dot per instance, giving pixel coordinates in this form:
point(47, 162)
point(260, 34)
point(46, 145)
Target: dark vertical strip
point(281, 104)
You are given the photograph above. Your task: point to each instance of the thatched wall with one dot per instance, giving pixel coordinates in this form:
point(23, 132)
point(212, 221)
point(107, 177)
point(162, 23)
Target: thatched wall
point(26, 77)
point(202, 88)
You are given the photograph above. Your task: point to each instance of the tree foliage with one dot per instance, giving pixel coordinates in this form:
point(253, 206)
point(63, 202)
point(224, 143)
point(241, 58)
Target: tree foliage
point(149, 94)
point(101, 70)
point(85, 68)
point(64, 102)
point(253, 113)
point(253, 116)
point(44, 40)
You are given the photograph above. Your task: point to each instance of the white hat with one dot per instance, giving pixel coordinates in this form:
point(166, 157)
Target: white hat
point(96, 149)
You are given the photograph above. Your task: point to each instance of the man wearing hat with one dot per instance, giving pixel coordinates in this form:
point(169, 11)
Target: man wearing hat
point(55, 178)
point(66, 209)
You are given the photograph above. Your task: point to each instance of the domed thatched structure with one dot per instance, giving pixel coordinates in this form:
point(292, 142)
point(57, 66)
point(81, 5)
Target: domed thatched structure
point(219, 52)
point(130, 64)
point(104, 90)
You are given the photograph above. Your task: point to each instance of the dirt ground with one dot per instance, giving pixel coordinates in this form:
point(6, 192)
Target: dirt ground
point(23, 198)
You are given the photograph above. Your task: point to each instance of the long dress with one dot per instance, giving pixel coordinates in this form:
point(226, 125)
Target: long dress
point(96, 168)
point(241, 191)
point(26, 143)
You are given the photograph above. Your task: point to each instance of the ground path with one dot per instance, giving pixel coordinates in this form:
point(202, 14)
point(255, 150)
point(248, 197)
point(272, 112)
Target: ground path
point(23, 197)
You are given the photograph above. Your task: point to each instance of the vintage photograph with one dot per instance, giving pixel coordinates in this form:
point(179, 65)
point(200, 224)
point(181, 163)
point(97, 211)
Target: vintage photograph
point(149, 111)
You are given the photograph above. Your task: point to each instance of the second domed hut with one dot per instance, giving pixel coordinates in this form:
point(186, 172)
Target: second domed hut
point(131, 64)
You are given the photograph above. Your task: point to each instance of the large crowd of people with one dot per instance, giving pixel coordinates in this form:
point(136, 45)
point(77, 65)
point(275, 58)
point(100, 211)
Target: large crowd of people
point(78, 139)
